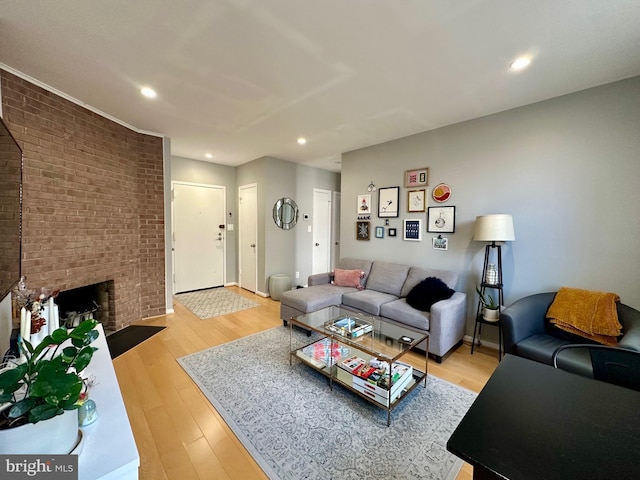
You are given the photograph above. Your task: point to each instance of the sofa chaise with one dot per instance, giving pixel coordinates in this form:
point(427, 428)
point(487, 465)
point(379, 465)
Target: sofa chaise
point(382, 292)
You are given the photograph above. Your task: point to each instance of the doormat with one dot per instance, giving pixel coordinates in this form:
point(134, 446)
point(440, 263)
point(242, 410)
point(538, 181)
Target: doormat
point(214, 302)
point(295, 426)
point(127, 338)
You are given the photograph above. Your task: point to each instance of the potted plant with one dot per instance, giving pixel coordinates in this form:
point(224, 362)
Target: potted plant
point(491, 311)
point(44, 384)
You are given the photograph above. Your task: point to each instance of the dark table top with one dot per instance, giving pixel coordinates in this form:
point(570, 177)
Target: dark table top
point(532, 421)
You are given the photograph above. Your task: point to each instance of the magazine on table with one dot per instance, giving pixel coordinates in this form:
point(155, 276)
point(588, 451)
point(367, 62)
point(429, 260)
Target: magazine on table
point(326, 352)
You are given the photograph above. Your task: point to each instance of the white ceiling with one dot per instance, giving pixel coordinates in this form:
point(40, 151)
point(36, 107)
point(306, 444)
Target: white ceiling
point(245, 78)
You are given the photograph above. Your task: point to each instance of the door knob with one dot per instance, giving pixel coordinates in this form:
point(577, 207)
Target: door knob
point(317, 244)
point(253, 245)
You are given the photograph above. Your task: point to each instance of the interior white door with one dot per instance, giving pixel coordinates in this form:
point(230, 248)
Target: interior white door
point(198, 236)
point(321, 261)
point(335, 230)
point(248, 236)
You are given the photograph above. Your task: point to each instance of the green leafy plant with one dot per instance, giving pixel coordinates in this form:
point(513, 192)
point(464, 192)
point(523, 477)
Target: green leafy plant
point(487, 300)
point(49, 381)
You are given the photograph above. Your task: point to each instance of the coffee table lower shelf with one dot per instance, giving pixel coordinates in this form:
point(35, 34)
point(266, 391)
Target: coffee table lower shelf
point(361, 387)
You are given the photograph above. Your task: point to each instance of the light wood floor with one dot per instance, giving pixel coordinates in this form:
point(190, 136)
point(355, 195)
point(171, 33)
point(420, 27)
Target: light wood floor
point(180, 435)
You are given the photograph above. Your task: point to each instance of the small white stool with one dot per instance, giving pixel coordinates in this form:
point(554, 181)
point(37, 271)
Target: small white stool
point(278, 284)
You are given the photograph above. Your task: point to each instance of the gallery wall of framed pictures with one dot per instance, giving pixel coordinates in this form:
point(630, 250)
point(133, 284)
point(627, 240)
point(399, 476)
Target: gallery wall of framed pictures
point(438, 219)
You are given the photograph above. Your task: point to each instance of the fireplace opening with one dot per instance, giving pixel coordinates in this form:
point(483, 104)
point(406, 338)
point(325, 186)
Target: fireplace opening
point(89, 301)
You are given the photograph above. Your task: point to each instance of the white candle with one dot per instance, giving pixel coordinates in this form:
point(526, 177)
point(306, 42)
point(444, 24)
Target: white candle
point(50, 322)
point(23, 319)
point(56, 317)
point(27, 327)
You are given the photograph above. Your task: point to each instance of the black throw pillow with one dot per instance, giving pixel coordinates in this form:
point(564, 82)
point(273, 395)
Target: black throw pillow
point(428, 292)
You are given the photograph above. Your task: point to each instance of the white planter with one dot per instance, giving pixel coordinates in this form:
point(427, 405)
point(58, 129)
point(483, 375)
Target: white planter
point(490, 315)
point(57, 436)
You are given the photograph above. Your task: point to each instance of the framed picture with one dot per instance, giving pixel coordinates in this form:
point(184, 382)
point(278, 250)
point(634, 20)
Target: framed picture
point(362, 230)
point(418, 177)
point(441, 192)
point(440, 243)
point(388, 202)
point(364, 204)
point(441, 219)
point(416, 200)
point(379, 232)
point(392, 232)
point(413, 230)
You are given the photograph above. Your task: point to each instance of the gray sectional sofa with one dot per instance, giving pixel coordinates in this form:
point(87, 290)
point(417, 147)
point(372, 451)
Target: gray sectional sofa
point(386, 286)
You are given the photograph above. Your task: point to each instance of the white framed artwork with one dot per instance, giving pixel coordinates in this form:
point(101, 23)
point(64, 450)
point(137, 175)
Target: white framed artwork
point(364, 204)
point(412, 230)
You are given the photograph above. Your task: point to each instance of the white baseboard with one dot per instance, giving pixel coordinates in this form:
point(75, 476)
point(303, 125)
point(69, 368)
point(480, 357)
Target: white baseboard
point(492, 345)
point(235, 284)
point(170, 311)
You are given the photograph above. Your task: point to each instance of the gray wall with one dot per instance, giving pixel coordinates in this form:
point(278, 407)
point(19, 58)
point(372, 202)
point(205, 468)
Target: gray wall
point(567, 169)
point(281, 251)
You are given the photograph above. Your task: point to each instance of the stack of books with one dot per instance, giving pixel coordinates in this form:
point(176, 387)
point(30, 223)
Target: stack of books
point(351, 327)
point(357, 366)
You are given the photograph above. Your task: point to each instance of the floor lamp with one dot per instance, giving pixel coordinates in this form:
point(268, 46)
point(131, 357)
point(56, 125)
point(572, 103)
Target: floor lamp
point(494, 228)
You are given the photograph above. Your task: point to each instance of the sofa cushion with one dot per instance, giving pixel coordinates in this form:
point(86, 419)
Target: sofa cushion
point(357, 264)
point(428, 292)
point(368, 301)
point(314, 298)
point(417, 274)
point(387, 277)
point(539, 348)
point(400, 311)
point(347, 278)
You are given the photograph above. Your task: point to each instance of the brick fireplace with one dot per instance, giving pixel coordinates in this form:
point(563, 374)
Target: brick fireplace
point(93, 201)
point(90, 301)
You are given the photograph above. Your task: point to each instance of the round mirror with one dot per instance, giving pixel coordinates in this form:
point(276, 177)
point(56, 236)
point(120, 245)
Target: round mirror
point(285, 213)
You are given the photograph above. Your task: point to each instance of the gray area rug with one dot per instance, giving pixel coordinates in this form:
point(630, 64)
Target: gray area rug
point(296, 427)
point(214, 302)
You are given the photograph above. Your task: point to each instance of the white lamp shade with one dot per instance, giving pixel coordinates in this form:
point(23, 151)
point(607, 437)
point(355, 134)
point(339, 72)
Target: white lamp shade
point(494, 228)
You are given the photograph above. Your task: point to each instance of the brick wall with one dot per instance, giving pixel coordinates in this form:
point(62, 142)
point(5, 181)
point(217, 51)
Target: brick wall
point(93, 201)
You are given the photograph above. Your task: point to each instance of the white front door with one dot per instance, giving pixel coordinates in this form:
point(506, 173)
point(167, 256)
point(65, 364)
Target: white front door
point(198, 236)
point(248, 236)
point(321, 260)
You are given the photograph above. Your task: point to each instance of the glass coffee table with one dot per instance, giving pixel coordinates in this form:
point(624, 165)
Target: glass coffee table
point(362, 353)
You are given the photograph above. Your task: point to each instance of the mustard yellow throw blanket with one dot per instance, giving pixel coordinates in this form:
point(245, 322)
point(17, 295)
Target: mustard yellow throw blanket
point(587, 313)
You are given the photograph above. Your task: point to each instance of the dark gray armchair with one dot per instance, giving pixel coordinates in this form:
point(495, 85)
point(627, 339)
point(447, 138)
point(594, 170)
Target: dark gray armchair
point(528, 334)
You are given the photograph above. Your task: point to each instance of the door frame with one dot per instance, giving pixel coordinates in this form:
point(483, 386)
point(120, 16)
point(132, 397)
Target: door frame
point(173, 231)
point(336, 199)
point(240, 233)
point(327, 236)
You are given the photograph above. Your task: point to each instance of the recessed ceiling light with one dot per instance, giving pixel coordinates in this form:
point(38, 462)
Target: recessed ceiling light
point(208, 155)
point(148, 92)
point(302, 140)
point(520, 63)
